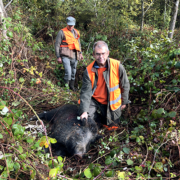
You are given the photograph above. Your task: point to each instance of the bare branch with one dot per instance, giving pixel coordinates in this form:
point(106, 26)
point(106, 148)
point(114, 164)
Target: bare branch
point(8, 4)
point(149, 7)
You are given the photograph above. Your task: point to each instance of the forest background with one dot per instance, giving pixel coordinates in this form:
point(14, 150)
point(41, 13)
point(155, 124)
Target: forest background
point(142, 35)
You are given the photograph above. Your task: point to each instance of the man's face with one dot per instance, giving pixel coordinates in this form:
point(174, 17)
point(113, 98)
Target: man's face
point(70, 27)
point(101, 55)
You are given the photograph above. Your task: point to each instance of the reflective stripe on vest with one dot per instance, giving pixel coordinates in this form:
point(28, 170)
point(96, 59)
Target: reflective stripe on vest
point(115, 91)
point(72, 43)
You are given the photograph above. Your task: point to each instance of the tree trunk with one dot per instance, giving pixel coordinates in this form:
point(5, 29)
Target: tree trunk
point(165, 12)
point(2, 16)
point(142, 15)
point(173, 19)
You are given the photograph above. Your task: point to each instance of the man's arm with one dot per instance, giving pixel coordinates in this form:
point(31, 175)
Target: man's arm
point(85, 95)
point(125, 86)
point(59, 39)
point(81, 56)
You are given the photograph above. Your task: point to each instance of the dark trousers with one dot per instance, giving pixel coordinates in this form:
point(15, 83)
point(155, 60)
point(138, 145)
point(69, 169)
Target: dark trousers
point(97, 111)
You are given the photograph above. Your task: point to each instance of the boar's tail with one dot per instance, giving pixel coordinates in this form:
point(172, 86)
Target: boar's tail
point(41, 116)
point(47, 115)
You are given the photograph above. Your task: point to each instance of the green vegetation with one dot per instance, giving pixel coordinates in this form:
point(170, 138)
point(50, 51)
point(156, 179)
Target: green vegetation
point(148, 142)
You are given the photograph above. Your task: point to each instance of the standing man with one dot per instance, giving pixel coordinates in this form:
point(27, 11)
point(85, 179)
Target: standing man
point(105, 87)
point(68, 50)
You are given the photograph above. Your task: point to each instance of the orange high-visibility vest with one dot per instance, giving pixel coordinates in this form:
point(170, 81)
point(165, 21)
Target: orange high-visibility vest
point(114, 89)
point(72, 43)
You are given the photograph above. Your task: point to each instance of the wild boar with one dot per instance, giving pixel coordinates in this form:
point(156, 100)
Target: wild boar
point(73, 136)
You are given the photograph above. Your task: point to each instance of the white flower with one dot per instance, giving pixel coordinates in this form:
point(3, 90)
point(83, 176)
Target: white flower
point(1, 64)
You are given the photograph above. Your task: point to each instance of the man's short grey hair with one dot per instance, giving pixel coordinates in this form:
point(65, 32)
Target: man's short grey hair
point(100, 44)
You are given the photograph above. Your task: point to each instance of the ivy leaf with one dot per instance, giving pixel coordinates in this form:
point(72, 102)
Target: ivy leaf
point(138, 140)
point(16, 166)
point(10, 34)
point(1, 136)
point(138, 169)
point(32, 173)
point(54, 164)
point(88, 173)
point(110, 173)
point(53, 140)
point(158, 167)
point(15, 103)
point(22, 156)
point(108, 160)
point(60, 159)
point(20, 149)
point(18, 114)
point(96, 171)
point(40, 74)
point(18, 129)
point(8, 120)
point(129, 162)
point(172, 114)
point(126, 150)
point(43, 142)
point(4, 174)
point(177, 65)
point(160, 111)
point(10, 164)
point(91, 166)
point(1, 167)
point(21, 80)
point(121, 175)
point(53, 172)
point(30, 140)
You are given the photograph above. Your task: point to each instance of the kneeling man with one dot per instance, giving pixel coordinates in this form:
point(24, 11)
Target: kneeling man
point(105, 87)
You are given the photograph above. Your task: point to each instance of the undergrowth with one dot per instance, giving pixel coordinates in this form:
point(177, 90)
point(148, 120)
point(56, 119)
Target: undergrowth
point(146, 146)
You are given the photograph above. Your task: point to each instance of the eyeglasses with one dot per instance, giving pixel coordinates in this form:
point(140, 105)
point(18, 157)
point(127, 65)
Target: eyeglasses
point(100, 54)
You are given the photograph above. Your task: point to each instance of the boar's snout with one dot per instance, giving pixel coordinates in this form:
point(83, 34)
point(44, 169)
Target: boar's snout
point(80, 150)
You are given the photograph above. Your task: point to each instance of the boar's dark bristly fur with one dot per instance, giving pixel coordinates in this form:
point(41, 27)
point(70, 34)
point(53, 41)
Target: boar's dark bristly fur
point(73, 136)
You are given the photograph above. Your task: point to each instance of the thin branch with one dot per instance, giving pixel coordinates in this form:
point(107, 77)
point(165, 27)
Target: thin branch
point(102, 171)
point(155, 156)
point(5, 161)
point(8, 4)
point(149, 7)
point(146, 156)
point(10, 133)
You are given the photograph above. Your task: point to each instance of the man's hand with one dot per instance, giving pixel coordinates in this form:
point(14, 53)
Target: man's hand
point(123, 106)
point(84, 115)
point(59, 60)
point(81, 57)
